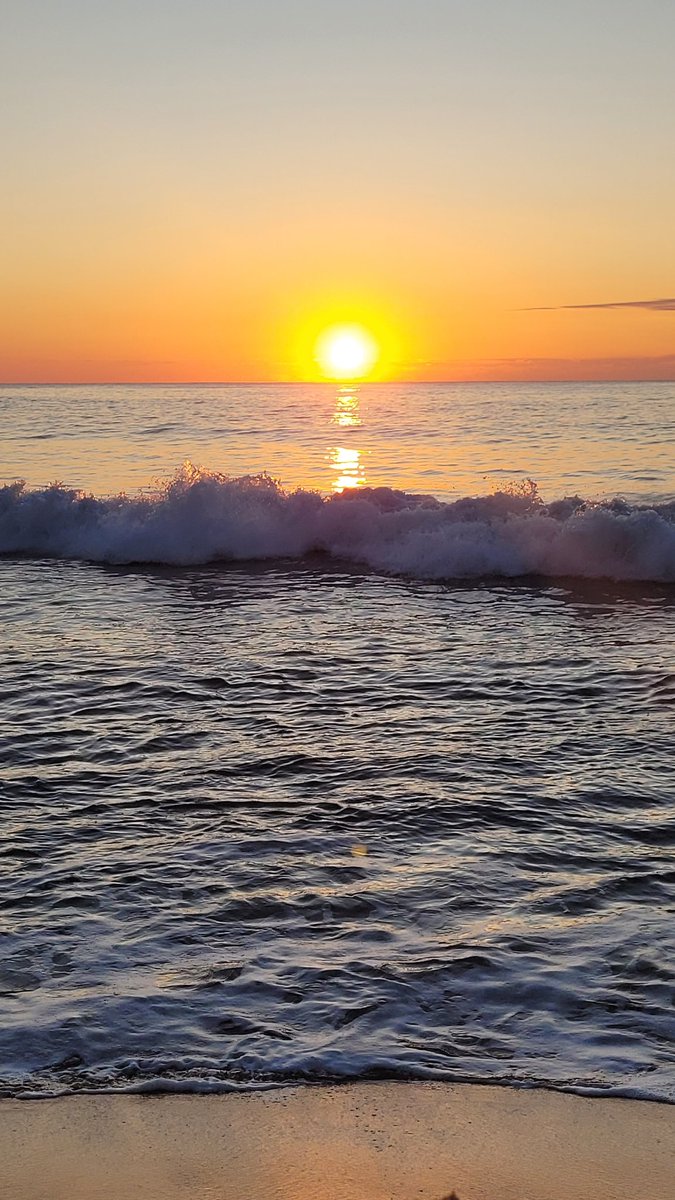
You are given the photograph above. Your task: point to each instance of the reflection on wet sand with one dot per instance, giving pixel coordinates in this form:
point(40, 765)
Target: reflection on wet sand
point(346, 460)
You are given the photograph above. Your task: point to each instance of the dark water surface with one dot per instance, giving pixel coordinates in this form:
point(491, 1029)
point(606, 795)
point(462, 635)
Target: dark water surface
point(365, 779)
point(304, 820)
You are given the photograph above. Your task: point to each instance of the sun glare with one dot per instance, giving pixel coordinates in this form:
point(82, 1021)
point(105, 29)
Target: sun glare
point(346, 352)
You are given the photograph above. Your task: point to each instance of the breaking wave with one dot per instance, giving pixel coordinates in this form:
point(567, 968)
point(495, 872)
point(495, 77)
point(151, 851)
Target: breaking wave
point(201, 516)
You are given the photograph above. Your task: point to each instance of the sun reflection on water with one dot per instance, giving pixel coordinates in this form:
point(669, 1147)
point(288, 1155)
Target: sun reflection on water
point(348, 463)
point(346, 460)
point(347, 412)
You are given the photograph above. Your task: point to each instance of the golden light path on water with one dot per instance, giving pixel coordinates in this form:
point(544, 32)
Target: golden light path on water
point(448, 441)
point(347, 461)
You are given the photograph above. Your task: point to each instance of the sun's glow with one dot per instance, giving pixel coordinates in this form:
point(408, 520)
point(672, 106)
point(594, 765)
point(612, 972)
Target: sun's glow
point(346, 352)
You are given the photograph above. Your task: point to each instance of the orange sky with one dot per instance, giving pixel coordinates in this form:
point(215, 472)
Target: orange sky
point(189, 198)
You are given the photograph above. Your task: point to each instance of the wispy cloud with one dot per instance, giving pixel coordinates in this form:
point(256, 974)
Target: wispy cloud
point(664, 304)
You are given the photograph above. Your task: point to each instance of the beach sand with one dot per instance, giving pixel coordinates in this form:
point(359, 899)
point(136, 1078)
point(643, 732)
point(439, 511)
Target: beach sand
point(366, 1141)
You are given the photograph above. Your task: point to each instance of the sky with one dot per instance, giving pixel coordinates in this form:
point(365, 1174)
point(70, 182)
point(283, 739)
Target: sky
point(192, 190)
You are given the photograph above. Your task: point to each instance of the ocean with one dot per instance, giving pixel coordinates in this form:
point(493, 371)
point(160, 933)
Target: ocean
point(337, 736)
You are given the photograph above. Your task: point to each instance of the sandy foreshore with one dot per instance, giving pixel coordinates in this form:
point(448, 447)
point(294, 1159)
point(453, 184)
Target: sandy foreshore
point(370, 1141)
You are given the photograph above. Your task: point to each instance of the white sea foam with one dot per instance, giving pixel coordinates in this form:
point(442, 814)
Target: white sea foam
point(201, 516)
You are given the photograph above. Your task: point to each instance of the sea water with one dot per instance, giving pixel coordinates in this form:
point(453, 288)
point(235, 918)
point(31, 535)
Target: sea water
point(338, 733)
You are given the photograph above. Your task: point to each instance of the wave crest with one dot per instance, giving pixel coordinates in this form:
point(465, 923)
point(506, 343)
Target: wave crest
point(201, 516)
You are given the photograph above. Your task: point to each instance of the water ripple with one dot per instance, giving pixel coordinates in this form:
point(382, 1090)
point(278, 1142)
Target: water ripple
point(309, 824)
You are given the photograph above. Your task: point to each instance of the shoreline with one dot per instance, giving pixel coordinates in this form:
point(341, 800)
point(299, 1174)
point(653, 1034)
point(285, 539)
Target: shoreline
point(350, 1141)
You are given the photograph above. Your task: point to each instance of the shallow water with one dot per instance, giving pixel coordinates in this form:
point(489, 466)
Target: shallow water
point(306, 819)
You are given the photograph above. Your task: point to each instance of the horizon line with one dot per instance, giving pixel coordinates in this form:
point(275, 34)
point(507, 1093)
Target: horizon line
point(306, 382)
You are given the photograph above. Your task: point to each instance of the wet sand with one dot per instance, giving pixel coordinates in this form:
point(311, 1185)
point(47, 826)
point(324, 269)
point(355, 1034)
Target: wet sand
point(370, 1141)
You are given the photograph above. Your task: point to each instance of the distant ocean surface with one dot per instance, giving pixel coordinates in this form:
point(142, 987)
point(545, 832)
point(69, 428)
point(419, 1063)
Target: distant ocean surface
point(337, 736)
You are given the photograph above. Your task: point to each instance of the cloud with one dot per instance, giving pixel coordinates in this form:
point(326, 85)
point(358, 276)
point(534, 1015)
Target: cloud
point(628, 368)
point(665, 304)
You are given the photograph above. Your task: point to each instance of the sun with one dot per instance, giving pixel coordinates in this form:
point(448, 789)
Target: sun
point(346, 352)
